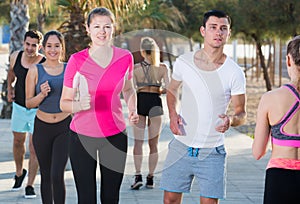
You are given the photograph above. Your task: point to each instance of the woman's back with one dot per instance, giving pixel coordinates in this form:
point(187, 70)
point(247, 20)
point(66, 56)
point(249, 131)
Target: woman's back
point(284, 119)
point(149, 75)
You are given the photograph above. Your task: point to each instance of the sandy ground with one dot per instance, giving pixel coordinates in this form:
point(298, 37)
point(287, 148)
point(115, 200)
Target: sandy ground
point(255, 89)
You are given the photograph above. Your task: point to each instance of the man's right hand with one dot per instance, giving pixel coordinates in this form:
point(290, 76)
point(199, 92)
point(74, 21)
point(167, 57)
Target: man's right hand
point(177, 125)
point(11, 95)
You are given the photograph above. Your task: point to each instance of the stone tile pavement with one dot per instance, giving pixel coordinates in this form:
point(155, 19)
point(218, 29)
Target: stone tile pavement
point(245, 177)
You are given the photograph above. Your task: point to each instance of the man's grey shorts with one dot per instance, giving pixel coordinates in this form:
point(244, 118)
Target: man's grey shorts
point(183, 164)
point(22, 119)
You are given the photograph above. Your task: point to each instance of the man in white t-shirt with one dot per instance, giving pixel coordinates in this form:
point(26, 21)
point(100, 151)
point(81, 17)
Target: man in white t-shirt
point(209, 81)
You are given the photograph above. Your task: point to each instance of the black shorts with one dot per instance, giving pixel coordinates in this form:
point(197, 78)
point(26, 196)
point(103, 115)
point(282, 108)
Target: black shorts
point(282, 186)
point(149, 104)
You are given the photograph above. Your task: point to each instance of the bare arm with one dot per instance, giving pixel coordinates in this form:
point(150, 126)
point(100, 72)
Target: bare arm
point(172, 98)
point(134, 78)
point(33, 100)
point(131, 100)
point(239, 107)
point(11, 77)
point(69, 104)
point(262, 129)
point(239, 117)
point(166, 78)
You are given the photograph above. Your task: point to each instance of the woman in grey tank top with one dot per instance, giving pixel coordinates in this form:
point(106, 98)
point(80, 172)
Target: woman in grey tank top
point(50, 137)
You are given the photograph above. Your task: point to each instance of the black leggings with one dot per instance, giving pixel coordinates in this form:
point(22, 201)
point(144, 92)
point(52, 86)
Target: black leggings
point(282, 186)
point(112, 152)
point(50, 141)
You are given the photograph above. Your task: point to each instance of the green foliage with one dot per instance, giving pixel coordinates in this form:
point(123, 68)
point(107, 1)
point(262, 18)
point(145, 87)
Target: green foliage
point(194, 11)
point(73, 28)
point(155, 14)
point(284, 17)
point(267, 18)
point(4, 8)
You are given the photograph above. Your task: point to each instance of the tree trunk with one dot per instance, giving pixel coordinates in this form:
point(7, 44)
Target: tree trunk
point(19, 24)
point(263, 66)
point(191, 44)
point(245, 58)
point(280, 62)
point(41, 22)
point(167, 51)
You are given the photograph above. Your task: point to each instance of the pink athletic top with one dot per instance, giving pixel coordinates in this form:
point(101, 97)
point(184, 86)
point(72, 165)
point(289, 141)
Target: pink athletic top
point(105, 117)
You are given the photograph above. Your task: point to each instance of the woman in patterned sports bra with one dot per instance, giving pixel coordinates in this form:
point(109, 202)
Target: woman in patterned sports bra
point(148, 78)
point(278, 116)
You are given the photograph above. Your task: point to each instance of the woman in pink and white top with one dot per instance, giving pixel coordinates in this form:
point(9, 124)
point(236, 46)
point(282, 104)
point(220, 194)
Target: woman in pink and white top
point(93, 81)
point(278, 117)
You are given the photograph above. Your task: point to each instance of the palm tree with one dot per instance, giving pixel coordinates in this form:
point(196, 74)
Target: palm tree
point(122, 10)
point(74, 27)
point(44, 10)
point(158, 14)
point(19, 24)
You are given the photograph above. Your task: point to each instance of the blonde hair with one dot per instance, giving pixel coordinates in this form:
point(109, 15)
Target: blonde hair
point(151, 48)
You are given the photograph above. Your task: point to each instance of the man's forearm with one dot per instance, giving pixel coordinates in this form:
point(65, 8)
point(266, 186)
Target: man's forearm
point(10, 80)
point(238, 119)
point(172, 103)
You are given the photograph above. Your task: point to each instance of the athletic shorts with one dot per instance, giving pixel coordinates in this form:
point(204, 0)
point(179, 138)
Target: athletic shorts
point(22, 119)
point(149, 104)
point(282, 186)
point(183, 164)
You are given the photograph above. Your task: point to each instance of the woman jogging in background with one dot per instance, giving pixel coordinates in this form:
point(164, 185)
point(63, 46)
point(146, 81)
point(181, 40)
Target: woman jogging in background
point(149, 76)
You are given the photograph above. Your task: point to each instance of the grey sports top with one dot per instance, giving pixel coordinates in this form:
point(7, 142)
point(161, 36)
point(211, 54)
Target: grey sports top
point(148, 80)
point(51, 103)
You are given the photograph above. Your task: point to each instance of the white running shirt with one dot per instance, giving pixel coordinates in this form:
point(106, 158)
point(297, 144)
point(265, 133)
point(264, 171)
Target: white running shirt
point(205, 95)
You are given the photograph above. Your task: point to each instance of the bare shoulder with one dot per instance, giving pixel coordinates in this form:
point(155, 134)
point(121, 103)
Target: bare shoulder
point(164, 66)
point(14, 54)
point(32, 70)
point(275, 95)
point(12, 58)
point(137, 65)
point(41, 56)
point(32, 67)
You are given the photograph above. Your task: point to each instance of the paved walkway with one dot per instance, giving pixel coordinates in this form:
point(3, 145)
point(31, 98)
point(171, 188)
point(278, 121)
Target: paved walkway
point(244, 183)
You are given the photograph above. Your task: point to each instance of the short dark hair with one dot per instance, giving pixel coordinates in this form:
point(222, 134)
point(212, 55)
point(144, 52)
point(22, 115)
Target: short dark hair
point(216, 13)
point(34, 34)
point(293, 49)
